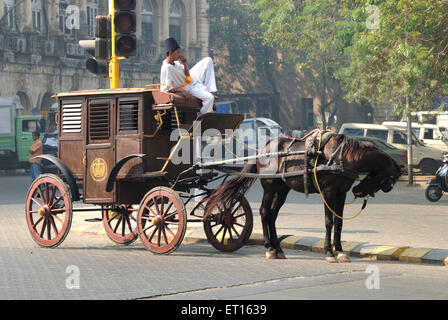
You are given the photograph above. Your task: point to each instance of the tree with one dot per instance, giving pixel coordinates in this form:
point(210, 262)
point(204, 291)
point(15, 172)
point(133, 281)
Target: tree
point(404, 62)
point(315, 33)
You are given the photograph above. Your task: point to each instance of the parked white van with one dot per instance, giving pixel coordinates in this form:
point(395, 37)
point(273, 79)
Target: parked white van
point(424, 157)
point(430, 134)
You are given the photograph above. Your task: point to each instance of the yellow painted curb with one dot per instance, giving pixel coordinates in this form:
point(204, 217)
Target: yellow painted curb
point(348, 246)
point(318, 246)
point(290, 242)
point(413, 254)
point(256, 238)
point(387, 252)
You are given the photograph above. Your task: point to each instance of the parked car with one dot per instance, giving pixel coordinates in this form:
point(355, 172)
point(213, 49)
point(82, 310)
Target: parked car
point(424, 157)
point(431, 134)
point(253, 133)
point(399, 155)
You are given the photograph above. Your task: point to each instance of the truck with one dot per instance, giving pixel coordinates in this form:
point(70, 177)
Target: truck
point(16, 133)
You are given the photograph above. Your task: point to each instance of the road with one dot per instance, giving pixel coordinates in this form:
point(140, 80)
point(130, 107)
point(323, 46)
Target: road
point(91, 267)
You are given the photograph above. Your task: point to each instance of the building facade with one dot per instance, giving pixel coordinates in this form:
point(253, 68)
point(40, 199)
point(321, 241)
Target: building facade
point(40, 55)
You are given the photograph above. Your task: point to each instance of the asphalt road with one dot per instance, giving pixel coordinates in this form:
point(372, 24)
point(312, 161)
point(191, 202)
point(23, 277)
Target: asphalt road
point(91, 267)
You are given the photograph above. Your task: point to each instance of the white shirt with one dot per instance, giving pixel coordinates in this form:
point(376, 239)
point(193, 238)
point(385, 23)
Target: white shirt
point(173, 76)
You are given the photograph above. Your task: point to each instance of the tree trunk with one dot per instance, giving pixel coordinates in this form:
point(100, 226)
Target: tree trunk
point(410, 170)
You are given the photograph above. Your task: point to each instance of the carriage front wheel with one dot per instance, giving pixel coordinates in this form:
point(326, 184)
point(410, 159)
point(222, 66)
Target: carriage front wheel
point(228, 228)
point(162, 220)
point(48, 210)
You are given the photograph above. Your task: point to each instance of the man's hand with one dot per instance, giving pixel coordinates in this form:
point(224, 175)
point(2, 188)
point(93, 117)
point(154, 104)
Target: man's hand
point(183, 59)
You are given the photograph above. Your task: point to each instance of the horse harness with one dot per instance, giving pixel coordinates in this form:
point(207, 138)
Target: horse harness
point(314, 144)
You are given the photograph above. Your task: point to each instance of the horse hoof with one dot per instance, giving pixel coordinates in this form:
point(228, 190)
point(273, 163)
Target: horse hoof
point(342, 257)
point(281, 255)
point(331, 259)
point(271, 255)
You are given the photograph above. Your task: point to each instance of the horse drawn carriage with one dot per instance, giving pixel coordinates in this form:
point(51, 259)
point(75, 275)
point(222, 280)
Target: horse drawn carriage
point(115, 151)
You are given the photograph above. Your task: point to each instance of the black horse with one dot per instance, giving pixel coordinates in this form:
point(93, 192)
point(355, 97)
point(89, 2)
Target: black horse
point(327, 149)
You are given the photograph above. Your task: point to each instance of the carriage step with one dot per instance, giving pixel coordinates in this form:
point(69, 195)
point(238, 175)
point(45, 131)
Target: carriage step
point(93, 220)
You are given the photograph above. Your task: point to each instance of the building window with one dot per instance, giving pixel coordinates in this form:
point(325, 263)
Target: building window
point(9, 8)
point(147, 16)
point(92, 12)
point(308, 113)
point(63, 18)
point(36, 12)
point(175, 18)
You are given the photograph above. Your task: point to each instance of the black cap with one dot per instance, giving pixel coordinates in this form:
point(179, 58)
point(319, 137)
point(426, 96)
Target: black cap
point(171, 45)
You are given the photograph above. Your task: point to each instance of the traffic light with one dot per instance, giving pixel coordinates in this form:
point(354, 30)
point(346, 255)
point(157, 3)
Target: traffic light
point(100, 47)
point(125, 24)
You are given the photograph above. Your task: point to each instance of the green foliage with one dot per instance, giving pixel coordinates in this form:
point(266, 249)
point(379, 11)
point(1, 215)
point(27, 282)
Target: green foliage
point(236, 27)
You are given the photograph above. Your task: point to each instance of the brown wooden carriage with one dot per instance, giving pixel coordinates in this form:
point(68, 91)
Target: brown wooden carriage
point(115, 151)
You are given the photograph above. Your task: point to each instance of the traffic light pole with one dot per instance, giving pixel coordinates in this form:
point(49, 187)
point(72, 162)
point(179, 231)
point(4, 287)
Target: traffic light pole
point(114, 63)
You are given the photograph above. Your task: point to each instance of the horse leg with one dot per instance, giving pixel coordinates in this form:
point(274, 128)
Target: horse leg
point(329, 255)
point(341, 256)
point(265, 212)
point(278, 203)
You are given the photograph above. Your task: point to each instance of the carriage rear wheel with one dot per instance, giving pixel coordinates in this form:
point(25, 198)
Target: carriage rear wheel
point(229, 228)
point(120, 223)
point(48, 210)
point(162, 220)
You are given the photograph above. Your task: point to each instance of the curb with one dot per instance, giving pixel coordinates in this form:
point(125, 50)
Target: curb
point(354, 249)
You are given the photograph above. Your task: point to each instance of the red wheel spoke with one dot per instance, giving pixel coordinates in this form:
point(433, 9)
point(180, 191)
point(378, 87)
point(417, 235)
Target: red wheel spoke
point(162, 205)
point(218, 231)
point(47, 193)
point(157, 205)
point(123, 225)
point(40, 194)
point(171, 222)
point(43, 228)
point(167, 209)
point(48, 229)
point(53, 194)
point(158, 237)
point(37, 202)
point(172, 233)
point(57, 201)
point(54, 226)
point(118, 223)
point(164, 234)
point(150, 210)
point(224, 235)
point(237, 234)
point(172, 214)
point(144, 230)
point(59, 210)
point(129, 223)
point(37, 222)
point(153, 233)
point(55, 216)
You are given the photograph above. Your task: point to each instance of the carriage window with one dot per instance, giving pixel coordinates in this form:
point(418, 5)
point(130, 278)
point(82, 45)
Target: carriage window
point(400, 138)
point(353, 132)
point(128, 116)
point(380, 134)
point(30, 126)
point(99, 128)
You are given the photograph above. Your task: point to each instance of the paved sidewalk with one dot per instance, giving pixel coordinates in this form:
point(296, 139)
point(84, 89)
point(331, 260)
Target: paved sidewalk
point(401, 225)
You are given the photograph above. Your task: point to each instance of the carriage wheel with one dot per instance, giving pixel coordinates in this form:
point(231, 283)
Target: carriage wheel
point(120, 223)
point(162, 220)
point(229, 228)
point(48, 210)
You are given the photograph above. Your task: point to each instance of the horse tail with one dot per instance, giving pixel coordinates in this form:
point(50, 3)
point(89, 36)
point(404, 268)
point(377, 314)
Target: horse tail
point(231, 191)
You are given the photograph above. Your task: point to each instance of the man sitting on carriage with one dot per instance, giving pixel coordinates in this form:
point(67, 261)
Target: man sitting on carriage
point(176, 77)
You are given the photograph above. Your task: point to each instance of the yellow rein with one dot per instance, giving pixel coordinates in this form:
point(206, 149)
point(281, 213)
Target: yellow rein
point(320, 192)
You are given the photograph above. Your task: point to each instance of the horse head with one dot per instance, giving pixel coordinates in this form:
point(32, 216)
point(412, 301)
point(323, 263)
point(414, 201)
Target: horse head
point(382, 176)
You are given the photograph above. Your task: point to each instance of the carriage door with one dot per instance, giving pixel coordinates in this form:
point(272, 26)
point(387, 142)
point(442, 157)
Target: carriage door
point(100, 153)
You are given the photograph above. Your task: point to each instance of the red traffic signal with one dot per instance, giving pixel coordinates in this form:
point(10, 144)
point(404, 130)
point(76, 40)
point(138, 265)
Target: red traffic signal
point(125, 25)
point(125, 45)
point(125, 22)
point(125, 4)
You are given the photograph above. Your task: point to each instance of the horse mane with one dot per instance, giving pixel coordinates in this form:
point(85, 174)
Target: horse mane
point(354, 148)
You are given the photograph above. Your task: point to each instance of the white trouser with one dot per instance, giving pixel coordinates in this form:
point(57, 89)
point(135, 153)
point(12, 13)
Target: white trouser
point(204, 83)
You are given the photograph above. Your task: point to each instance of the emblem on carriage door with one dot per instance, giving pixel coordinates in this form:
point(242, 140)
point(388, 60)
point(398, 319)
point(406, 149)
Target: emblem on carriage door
point(98, 169)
